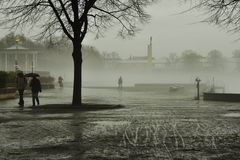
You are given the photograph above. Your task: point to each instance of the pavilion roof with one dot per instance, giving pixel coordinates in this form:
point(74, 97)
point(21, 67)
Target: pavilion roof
point(16, 47)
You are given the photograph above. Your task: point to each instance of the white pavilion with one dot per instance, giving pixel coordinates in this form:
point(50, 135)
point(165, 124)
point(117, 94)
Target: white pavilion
point(18, 57)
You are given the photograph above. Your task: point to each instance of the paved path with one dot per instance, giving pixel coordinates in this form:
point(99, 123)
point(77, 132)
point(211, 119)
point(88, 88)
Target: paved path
point(151, 126)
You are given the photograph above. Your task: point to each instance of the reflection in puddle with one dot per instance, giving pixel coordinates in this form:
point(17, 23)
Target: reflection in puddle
point(111, 123)
point(55, 115)
point(232, 115)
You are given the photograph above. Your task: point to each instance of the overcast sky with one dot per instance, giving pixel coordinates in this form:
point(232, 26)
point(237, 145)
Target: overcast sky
point(171, 32)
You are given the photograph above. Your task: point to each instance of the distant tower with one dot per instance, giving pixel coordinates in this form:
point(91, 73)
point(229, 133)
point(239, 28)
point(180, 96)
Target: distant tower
point(149, 52)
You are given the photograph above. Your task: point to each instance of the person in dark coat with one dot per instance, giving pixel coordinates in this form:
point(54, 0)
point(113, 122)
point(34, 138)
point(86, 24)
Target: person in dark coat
point(60, 81)
point(21, 86)
point(120, 81)
point(35, 88)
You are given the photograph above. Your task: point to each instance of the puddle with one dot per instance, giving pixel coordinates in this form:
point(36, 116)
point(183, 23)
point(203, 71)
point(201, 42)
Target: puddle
point(232, 115)
point(55, 115)
point(111, 123)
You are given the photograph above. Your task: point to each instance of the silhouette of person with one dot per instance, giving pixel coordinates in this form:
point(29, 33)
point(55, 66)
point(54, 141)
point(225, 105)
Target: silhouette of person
point(120, 82)
point(198, 86)
point(60, 81)
point(21, 85)
point(35, 88)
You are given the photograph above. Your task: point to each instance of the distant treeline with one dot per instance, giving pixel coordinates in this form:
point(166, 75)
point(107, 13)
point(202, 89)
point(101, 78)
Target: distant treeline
point(190, 60)
point(55, 54)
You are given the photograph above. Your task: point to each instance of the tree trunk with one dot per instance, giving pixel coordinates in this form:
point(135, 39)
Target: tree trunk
point(77, 83)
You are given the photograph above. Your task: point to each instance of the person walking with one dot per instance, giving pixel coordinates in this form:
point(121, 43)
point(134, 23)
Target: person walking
point(198, 87)
point(35, 88)
point(60, 81)
point(21, 85)
point(120, 81)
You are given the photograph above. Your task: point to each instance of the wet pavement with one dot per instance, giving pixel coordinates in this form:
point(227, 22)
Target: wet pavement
point(152, 126)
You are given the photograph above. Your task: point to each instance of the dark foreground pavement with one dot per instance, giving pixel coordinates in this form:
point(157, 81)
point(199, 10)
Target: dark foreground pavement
point(147, 128)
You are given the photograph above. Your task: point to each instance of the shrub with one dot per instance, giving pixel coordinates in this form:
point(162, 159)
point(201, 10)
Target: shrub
point(46, 79)
point(3, 79)
point(12, 77)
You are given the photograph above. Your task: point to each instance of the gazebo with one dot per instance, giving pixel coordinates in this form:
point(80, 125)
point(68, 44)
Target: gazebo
point(18, 57)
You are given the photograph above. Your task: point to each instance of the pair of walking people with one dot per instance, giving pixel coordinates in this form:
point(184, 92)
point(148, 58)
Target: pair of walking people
point(35, 86)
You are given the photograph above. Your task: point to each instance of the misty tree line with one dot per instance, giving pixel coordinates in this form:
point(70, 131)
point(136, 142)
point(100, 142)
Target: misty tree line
point(59, 47)
point(55, 48)
point(10, 40)
point(190, 60)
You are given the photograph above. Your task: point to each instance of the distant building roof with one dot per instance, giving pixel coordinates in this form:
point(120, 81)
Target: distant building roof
point(15, 47)
point(138, 58)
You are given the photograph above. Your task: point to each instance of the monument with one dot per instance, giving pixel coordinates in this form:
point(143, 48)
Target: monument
point(149, 52)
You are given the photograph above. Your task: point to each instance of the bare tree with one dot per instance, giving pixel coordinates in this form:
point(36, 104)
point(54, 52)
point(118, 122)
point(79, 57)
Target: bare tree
point(172, 60)
point(75, 18)
point(224, 13)
point(215, 60)
point(191, 60)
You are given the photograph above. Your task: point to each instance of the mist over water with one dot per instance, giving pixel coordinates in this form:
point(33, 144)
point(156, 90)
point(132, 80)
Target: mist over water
point(108, 77)
point(228, 80)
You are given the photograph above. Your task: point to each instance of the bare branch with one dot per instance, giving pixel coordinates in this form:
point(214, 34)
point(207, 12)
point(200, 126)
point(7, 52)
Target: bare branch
point(70, 16)
point(65, 12)
point(224, 13)
point(84, 30)
point(60, 20)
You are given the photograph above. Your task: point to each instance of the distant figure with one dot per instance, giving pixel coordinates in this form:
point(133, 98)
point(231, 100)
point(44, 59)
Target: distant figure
point(120, 82)
point(35, 88)
point(21, 85)
point(60, 81)
point(198, 87)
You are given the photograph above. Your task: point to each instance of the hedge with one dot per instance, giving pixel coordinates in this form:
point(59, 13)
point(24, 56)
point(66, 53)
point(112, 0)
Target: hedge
point(3, 79)
point(8, 79)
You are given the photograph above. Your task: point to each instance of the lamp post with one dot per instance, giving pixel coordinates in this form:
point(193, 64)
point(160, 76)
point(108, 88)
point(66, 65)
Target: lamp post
point(32, 66)
point(16, 65)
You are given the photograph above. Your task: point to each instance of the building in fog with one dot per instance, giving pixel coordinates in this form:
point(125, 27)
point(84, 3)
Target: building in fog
point(111, 56)
point(140, 63)
point(18, 57)
point(144, 59)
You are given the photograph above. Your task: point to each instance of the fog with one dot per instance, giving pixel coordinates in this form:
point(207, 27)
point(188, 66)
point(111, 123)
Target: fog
point(228, 80)
point(105, 72)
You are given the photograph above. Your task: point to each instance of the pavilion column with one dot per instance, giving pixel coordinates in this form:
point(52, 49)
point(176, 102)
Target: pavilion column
point(36, 61)
point(32, 61)
point(16, 61)
point(6, 62)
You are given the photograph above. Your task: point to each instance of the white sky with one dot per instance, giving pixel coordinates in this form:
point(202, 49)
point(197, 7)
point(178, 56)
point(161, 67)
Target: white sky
point(171, 32)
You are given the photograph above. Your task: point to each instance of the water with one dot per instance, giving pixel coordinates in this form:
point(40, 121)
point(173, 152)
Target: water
point(232, 115)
